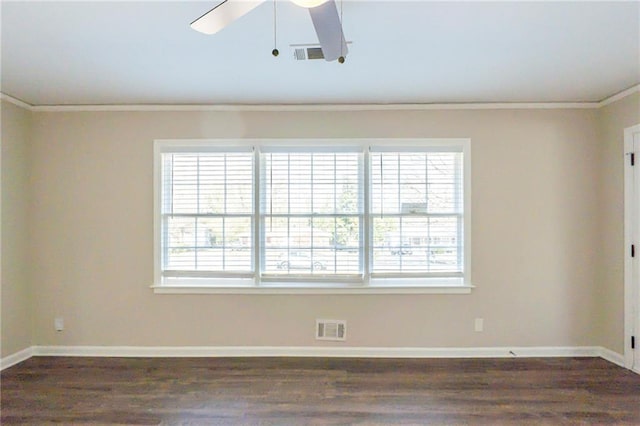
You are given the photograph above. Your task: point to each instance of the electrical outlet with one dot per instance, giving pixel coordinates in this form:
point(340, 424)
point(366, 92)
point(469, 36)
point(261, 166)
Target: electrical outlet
point(479, 324)
point(58, 323)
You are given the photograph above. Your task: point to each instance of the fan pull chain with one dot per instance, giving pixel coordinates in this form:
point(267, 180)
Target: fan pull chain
point(275, 51)
point(341, 58)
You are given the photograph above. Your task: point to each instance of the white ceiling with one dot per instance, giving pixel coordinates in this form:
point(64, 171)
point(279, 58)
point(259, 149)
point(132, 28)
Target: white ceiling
point(114, 52)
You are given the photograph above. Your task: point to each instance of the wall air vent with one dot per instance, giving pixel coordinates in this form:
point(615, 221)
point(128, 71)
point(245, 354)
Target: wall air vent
point(331, 330)
point(305, 53)
point(314, 53)
point(300, 54)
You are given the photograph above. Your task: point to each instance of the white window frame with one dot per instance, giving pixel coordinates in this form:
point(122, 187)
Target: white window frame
point(187, 278)
point(368, 285)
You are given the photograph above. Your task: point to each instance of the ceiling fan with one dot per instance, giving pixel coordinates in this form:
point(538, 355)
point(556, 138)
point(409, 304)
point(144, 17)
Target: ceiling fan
point(324, 15)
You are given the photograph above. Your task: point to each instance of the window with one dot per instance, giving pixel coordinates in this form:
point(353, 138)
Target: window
point(417, 215)
point(311, 212)
point(206, 215)
point(335, 215)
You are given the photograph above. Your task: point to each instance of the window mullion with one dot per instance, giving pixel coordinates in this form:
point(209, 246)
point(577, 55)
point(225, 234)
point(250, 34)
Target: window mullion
point(225, 210)
point(289, 206)
point(258, 237)
point(427, 210)
point(165, 221)
point(335, 209)
point(458, 202)
point(195, 220)
point(399, 207)
point(366, 239)
point(311, 221)
point(171, 183)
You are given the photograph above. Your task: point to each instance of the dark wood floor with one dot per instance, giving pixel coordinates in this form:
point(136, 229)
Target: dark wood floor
point(301, 391)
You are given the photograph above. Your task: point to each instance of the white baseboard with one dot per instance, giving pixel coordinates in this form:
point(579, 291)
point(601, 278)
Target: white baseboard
point(16, 358)
point(612, 356)
point(314, 351)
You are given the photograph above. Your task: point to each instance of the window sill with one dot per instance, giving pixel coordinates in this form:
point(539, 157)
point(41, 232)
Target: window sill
point(296, 290)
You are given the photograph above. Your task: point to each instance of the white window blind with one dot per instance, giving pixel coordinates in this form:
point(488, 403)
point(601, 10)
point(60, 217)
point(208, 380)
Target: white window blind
point(417, 213)
point(311, 214)
point(207, 214)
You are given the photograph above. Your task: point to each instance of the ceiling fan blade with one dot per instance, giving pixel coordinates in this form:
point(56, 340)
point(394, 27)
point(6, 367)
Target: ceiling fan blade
point(329, 30)
point(223, 14)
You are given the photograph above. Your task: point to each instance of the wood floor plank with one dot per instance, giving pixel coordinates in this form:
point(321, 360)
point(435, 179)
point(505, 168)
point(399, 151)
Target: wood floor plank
point(319, 391)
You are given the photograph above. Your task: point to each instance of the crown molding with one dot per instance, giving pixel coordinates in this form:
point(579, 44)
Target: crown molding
point(16, 102)
point(316, 107)
point(321, 107)
point(618, 96)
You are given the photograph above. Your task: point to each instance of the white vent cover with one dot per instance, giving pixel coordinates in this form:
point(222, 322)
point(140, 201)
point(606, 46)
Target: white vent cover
point(305, 52)
point(331, 329)
point(300, 54)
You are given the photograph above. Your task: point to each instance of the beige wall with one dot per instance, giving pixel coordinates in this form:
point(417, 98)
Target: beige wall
point(15, 291)
point(535, 234)
point(614, 119)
